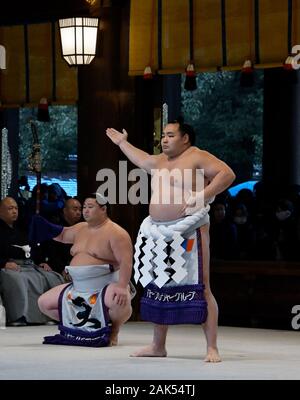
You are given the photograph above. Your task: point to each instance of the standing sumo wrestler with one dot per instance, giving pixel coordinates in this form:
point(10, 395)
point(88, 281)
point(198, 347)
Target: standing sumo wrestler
point(172, 248)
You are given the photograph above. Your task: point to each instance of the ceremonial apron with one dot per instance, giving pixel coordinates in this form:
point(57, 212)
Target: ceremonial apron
point(84, 319)
point(169, 265)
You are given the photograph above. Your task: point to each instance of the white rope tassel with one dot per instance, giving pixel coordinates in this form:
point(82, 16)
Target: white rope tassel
point(179, 261)
point(157, 237)
point(162, 276)
point(147, 266)
point(137, 253)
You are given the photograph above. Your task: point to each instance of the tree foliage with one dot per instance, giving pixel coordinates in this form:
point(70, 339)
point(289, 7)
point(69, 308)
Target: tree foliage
point(228, 118)
point(58, 138)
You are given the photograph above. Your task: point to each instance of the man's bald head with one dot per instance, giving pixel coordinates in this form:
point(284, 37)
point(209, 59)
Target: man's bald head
point(72, 211)
point(8, 210)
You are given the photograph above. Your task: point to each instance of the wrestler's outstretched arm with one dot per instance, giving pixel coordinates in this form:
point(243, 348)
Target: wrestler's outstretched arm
point(122, 249)
point(69, 233)
point(41, 229)
point(138, 157)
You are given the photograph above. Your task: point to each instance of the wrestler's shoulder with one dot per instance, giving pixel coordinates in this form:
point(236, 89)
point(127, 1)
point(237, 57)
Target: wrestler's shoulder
point(159, 157)
point(196, 152)
point(80, 225)
point(117, 229)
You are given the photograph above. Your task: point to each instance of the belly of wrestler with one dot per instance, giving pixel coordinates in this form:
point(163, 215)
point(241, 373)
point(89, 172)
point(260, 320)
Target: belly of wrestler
point(166, 212)
point(167, 203)
point(83, 258)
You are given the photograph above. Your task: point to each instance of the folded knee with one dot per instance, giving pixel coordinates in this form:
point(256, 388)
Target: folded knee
point(42, 303)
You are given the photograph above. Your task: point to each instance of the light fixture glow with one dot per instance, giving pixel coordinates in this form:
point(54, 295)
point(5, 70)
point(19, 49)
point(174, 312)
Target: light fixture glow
point(78, 39)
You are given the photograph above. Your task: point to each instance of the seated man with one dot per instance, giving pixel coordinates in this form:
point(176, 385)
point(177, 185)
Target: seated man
point(100, 270)
point(21, 280)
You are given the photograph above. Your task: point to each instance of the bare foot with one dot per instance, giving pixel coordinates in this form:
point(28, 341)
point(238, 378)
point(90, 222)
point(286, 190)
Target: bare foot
point(150, 351)
point(113, 341)
point(212, 355)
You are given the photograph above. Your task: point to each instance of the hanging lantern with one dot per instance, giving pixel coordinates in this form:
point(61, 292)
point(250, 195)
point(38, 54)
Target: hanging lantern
point(78, 39)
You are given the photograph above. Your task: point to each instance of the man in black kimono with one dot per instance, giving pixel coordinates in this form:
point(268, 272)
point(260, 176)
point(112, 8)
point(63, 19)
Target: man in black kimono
point(22, 281)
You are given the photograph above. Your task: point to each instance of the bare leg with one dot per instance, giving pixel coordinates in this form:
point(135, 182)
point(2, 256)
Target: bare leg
point(118, 314)
point(210, 329)
point(158, 346)
point(211, 325)
point(48, 302)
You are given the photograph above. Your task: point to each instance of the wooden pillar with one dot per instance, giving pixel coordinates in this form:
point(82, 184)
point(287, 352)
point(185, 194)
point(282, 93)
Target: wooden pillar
point(172, 95)
point(108, 97)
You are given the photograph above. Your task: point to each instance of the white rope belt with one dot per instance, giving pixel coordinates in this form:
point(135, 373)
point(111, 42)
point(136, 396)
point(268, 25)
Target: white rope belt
point(157, 235)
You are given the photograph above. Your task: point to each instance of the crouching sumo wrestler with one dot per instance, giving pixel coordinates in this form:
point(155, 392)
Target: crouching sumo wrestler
point(92, 308)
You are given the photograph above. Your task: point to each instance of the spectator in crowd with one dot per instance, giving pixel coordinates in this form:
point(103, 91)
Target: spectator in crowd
point(71, 214)
point(56, 201)
point(23, 188)
point(245, 196)
point(245, 233)
point(52, 201)
point(22, 280)
point(284, 230)
point(223, 233)
point(57, 253)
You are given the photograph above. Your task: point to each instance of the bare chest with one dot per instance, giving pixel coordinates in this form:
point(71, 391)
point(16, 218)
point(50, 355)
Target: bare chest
point(93, 243)
point(181, 173)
